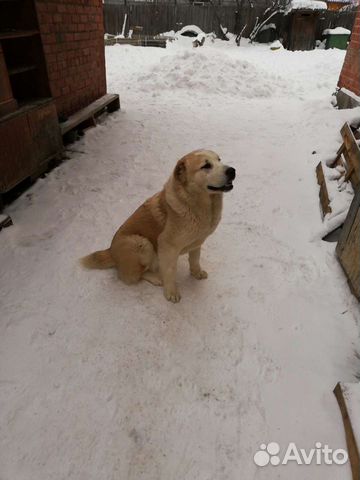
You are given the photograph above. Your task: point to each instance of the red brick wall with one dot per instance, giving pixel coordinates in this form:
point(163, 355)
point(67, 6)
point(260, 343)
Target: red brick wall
point(350, 73)
point(72, 32)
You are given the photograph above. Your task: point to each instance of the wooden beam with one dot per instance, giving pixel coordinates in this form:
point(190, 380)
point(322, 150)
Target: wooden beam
point(323, 192)
point(110, 101)
point(352, 446)
point(338, 160)
point(5, 221)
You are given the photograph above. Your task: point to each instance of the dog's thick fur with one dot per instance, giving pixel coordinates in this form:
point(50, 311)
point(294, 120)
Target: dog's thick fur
point(175, 221)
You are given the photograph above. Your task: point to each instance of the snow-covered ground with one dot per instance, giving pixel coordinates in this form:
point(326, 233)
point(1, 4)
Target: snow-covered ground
point(99, 380)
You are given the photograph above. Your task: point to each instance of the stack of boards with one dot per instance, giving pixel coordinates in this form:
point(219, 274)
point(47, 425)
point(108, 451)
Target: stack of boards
point(347, 162)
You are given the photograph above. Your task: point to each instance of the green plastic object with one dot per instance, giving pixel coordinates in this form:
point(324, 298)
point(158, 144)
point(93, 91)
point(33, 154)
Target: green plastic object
point(337, 41)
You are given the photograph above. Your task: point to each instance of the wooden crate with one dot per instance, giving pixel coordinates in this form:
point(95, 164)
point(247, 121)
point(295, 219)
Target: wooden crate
point(29, 138)
point(348, 247)
point(29, 128)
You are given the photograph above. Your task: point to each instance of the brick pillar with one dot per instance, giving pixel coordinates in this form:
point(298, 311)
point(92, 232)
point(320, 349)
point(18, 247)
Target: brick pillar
point(72, 33)
point(350, 73)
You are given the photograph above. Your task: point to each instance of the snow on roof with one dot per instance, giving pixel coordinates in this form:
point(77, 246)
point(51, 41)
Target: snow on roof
point(336, 31)
point(305, 5)
point(266, 27)
point(190, 28)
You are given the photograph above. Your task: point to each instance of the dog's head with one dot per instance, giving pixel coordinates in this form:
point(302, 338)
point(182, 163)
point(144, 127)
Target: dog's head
point(203, 169)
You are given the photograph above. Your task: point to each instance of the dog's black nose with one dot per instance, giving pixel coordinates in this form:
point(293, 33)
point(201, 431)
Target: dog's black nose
point(230, 173)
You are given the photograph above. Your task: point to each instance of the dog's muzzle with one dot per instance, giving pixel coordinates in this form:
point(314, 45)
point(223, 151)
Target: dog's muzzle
point(230, 173)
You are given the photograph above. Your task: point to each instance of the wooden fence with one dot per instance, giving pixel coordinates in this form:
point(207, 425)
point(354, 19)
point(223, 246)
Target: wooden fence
point(158, 18)
point(161, 17)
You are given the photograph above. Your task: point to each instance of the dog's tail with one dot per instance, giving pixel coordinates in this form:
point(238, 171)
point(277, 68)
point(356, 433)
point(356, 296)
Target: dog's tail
point(100, 259)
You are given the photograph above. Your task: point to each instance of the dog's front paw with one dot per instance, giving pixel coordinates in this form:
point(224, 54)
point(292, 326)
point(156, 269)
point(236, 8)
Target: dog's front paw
point(172, 295)
point(200, 275)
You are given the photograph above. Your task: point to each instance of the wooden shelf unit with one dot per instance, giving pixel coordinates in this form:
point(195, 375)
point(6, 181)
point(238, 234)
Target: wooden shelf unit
point(29, 127)
point(8, 35)
point(21, 69)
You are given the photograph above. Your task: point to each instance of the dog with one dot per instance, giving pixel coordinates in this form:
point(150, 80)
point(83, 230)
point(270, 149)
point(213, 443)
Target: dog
point(173, 222)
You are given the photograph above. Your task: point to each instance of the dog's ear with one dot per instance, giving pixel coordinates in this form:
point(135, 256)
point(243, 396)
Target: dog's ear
point(180, 172)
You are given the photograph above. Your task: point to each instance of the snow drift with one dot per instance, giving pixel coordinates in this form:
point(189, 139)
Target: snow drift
point(217, 73)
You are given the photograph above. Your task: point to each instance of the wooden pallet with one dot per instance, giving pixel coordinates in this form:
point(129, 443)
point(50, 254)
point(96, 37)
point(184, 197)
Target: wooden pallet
point(86, 117)
point(348, 247)
point(353, 449)
point(348, 157)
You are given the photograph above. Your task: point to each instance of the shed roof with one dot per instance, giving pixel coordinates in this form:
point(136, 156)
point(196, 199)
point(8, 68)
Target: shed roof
point(309, 5)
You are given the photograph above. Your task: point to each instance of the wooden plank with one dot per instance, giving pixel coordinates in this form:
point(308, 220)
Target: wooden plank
point(323, 192)
point(18, 34)
point(348, 247)
point(353, 154)
point(338, 160)
point(5, 221)
point(21, 69)
point(90, 111)
point(142, 41)
point(353, 449)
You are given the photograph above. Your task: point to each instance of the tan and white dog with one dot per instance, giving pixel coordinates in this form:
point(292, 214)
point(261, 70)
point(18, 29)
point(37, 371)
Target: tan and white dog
point(175, 221)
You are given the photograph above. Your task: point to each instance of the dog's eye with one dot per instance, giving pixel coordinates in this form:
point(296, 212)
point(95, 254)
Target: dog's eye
point(207, 166)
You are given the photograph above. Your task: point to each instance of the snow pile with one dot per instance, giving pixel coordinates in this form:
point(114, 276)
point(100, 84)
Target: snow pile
point(306, 5)
point(276, 45)
point(217, 73)
point(336, 31)
point(170, 33)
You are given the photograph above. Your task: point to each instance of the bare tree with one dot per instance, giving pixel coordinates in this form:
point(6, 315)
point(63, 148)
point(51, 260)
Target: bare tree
point(276, 7)
point(239, 35)
point(238, 13)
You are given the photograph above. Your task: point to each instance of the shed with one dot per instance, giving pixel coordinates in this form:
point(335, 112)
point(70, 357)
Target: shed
point(301, 25)
point(51, 65)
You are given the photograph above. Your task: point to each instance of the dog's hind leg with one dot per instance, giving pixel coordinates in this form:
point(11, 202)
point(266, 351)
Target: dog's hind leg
point(133, 256)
